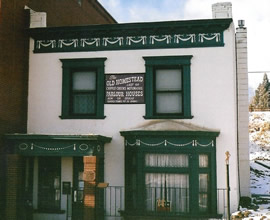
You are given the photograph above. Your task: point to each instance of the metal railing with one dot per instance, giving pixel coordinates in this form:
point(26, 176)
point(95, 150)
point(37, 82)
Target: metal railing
point(156, 201)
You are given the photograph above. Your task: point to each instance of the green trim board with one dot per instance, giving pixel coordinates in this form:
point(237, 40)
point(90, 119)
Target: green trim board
point(179, 133)
point(155, 63)
point(75, 65)
point(152, 35)
point(56, 145)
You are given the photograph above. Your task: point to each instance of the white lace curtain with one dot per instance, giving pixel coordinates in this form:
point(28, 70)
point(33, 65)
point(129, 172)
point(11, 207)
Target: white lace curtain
point(169, 187)
point(166, 160)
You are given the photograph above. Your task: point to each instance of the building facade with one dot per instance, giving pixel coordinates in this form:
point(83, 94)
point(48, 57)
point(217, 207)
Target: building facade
point(134, 121)
point(14, 60)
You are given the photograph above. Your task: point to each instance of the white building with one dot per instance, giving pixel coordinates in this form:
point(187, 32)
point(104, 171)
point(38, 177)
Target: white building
point(150, 107)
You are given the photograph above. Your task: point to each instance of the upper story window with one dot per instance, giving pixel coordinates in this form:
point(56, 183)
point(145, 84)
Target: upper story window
point(83, 88)
point(168, 87)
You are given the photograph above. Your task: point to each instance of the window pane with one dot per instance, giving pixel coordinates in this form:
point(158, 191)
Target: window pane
point(167, 191)
point(203, 202)
point(84, 81)
point(203, 192)
point(169, 103)
point(166, 160)
point(169, 79)
point(203, 182)
point(84, 103)
point(203, 160)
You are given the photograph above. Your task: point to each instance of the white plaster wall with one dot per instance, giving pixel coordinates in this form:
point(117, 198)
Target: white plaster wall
point(213, 102)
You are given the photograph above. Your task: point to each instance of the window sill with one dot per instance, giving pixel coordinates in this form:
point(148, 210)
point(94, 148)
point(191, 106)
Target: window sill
point(81, 117)
point(167, 117)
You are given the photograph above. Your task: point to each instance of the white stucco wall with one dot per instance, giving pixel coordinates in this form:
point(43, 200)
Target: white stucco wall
point(213, 102)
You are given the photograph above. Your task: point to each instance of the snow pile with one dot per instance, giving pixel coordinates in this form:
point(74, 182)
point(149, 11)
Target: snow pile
point(251, 214)
point(259, 145)
point(259, 135)
point(259, 139)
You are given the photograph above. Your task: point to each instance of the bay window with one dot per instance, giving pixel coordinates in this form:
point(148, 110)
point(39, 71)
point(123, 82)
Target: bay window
point(172, 174)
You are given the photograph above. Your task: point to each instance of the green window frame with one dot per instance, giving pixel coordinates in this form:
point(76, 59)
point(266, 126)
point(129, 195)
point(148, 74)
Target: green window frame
point(153, 92)
point(154, 160)
point(199, 193)
point(93, 95)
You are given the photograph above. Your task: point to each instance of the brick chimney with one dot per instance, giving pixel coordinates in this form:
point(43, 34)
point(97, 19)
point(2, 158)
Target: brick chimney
point(222, 10)
point(37, 19)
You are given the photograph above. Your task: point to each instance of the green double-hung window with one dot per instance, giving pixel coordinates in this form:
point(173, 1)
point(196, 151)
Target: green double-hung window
point(83, 88)
point(168, 87)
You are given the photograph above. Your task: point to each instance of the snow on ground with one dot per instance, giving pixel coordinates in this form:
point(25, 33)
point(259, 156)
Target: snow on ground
point(259, 179)
point(259, 139)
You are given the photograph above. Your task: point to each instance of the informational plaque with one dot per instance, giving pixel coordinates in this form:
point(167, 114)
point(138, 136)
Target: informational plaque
point(124, 88)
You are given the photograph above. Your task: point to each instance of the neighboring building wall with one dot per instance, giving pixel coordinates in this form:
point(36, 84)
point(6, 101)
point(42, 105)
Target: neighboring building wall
point(14, 47)
point(214, 108)
point(70, 12)
point(243, 113)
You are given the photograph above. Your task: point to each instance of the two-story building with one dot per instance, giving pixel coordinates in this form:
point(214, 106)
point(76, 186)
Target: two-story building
point(134, 120)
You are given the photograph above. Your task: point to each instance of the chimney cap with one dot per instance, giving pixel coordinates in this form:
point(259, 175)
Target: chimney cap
point(241, 23)
point(222, 10)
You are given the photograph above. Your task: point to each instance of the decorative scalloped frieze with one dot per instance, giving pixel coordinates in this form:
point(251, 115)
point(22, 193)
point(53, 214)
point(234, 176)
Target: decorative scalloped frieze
point(131, 42)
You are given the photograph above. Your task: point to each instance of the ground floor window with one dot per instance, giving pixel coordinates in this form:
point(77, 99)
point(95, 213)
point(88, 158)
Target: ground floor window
point(49, 173)
point(176, 176)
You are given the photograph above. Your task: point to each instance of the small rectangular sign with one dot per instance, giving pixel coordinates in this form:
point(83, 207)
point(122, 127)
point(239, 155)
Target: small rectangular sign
point(124, 88)
point(66, 188)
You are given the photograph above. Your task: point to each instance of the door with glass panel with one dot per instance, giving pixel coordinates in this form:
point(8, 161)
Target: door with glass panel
point(49, 179)
point(78, 189)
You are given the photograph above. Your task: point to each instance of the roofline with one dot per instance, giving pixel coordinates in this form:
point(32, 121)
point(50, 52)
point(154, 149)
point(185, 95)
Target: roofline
point(86, 137)
point(187, 26)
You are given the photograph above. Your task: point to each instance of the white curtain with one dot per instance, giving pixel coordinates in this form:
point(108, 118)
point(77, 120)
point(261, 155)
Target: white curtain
point(173, 188)
point(166, 160)
point(203, 192)
point(169, 187)
point(203, 183)
point(203, 160)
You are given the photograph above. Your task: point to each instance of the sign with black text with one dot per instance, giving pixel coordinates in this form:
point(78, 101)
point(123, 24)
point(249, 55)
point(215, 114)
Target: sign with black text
point(124, 88)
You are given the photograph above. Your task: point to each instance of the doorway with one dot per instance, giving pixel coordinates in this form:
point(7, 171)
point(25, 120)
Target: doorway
point(78, 189)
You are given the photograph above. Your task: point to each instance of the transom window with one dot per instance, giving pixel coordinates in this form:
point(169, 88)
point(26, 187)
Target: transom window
point(168, 87)
point(83, 88)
